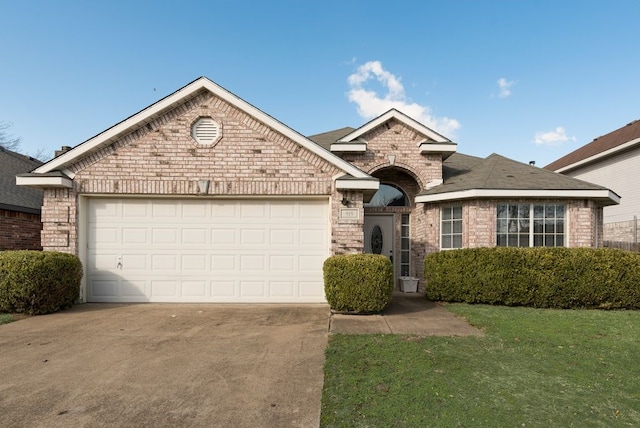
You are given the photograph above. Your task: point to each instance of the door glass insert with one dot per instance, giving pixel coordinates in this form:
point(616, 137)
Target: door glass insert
point(376, 240)
point(404, 245)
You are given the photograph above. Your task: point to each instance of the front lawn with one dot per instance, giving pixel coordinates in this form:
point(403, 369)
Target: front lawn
point(533, 368)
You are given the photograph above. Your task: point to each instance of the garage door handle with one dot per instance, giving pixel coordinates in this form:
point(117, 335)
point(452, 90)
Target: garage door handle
point(119, 264)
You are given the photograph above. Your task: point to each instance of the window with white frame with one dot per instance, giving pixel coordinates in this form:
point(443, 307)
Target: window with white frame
point(451, 227)
point(530, 225)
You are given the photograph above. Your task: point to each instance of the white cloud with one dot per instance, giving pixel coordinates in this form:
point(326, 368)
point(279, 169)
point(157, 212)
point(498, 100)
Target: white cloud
point(505, 87)
point(371, 104)
point(553, 138)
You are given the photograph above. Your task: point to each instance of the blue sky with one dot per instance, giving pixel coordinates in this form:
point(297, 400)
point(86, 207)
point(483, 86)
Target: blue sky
point(531, 80)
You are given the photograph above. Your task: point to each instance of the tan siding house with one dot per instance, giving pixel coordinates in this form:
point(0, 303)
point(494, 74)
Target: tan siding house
point(612, 161)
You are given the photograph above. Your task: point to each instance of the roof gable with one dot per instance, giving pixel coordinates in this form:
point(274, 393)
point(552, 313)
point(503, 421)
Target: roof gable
point(182, 95)
point(399, 116)
point(606, 145)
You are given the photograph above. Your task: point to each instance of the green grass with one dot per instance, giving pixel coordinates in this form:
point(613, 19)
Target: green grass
point(5, 318)
point(533, 368)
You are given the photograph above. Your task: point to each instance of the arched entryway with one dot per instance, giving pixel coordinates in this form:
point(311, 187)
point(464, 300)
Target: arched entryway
point(388, 219)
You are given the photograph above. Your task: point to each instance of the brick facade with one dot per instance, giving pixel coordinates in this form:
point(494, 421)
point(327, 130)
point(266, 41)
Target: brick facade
point(19, 231)
point(162, 159)
point(393, 157)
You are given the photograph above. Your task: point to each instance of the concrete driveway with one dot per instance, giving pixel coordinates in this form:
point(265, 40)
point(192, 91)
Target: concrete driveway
point(165, 365)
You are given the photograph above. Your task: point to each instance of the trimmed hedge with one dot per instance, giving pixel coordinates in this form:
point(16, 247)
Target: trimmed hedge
point(38, 282)
point(538, 277)
point(359, 283)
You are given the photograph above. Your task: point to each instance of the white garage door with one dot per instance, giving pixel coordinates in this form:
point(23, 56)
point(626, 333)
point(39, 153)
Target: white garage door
point(160, 250)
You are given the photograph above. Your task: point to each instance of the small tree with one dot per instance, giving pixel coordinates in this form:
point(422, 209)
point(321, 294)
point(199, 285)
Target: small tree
point(7, 141)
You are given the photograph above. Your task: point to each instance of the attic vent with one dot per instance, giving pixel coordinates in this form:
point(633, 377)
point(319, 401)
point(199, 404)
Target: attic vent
point(206, 131)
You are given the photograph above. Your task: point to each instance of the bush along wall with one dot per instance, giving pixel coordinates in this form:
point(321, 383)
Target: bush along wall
point(37, 282)
point(537, 277)
point(358, 283)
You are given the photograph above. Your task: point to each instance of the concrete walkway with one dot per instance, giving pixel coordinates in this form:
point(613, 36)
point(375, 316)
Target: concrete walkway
point(408, 313)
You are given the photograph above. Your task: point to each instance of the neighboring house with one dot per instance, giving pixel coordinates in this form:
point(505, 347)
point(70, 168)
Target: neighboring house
point(612, 161)
point(202, 197)
point(20, 207)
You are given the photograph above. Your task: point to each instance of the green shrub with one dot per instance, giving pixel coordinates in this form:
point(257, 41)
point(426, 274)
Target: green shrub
point(360, 283)
point(37, 282)
point(538, 277)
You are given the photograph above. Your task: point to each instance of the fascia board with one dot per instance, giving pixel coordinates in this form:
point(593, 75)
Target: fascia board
point(598, 156)
point(395, 114)
point(348, 147)
point(496, 193)
point(39, 182)
point(437, 148)
point(147, 114)
point(351, 184)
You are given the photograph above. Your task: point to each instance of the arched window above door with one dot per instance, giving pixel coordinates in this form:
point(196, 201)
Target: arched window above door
point(388, 195)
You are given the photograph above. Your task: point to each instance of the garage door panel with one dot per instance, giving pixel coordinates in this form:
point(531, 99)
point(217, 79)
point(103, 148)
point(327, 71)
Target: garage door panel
point(253, 237)
point(282, 263)
point(252, 289)
point(252, 211)
point(223, 288)
point(194, 236)
point(252, 262)
point(309, 263)
point(223, 262)
point(105, 236)
point(134, 262)
point(196, 289)
point(134, 235)
point(282, 237)
point(164, 236)
point(311, 289)
point(312, 237)
point(193, 262)
point(132, 210)
point(164, 209)
point(133, 289)
point(206, 250)
point(104, 288)
point(281, 288)
point(164, 288)
point(163, 262)
point(221, 237)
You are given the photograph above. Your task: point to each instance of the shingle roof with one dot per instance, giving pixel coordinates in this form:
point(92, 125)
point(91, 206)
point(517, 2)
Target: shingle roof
point(17, 198)
point(463, 172)
point(627, 133)
point(326, 139)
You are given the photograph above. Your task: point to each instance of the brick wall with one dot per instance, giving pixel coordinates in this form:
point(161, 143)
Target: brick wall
point(19, 231)
point(479, 222)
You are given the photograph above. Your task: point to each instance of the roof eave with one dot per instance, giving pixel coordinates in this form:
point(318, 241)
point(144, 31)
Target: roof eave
point(598, 156)
point(38, 181)
point(603, 196)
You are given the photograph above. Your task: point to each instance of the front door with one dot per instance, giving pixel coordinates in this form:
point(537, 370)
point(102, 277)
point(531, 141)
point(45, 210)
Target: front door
point(378, 235)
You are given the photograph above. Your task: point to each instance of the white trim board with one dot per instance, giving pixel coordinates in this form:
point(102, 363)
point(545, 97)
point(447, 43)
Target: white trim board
point(547, 194)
